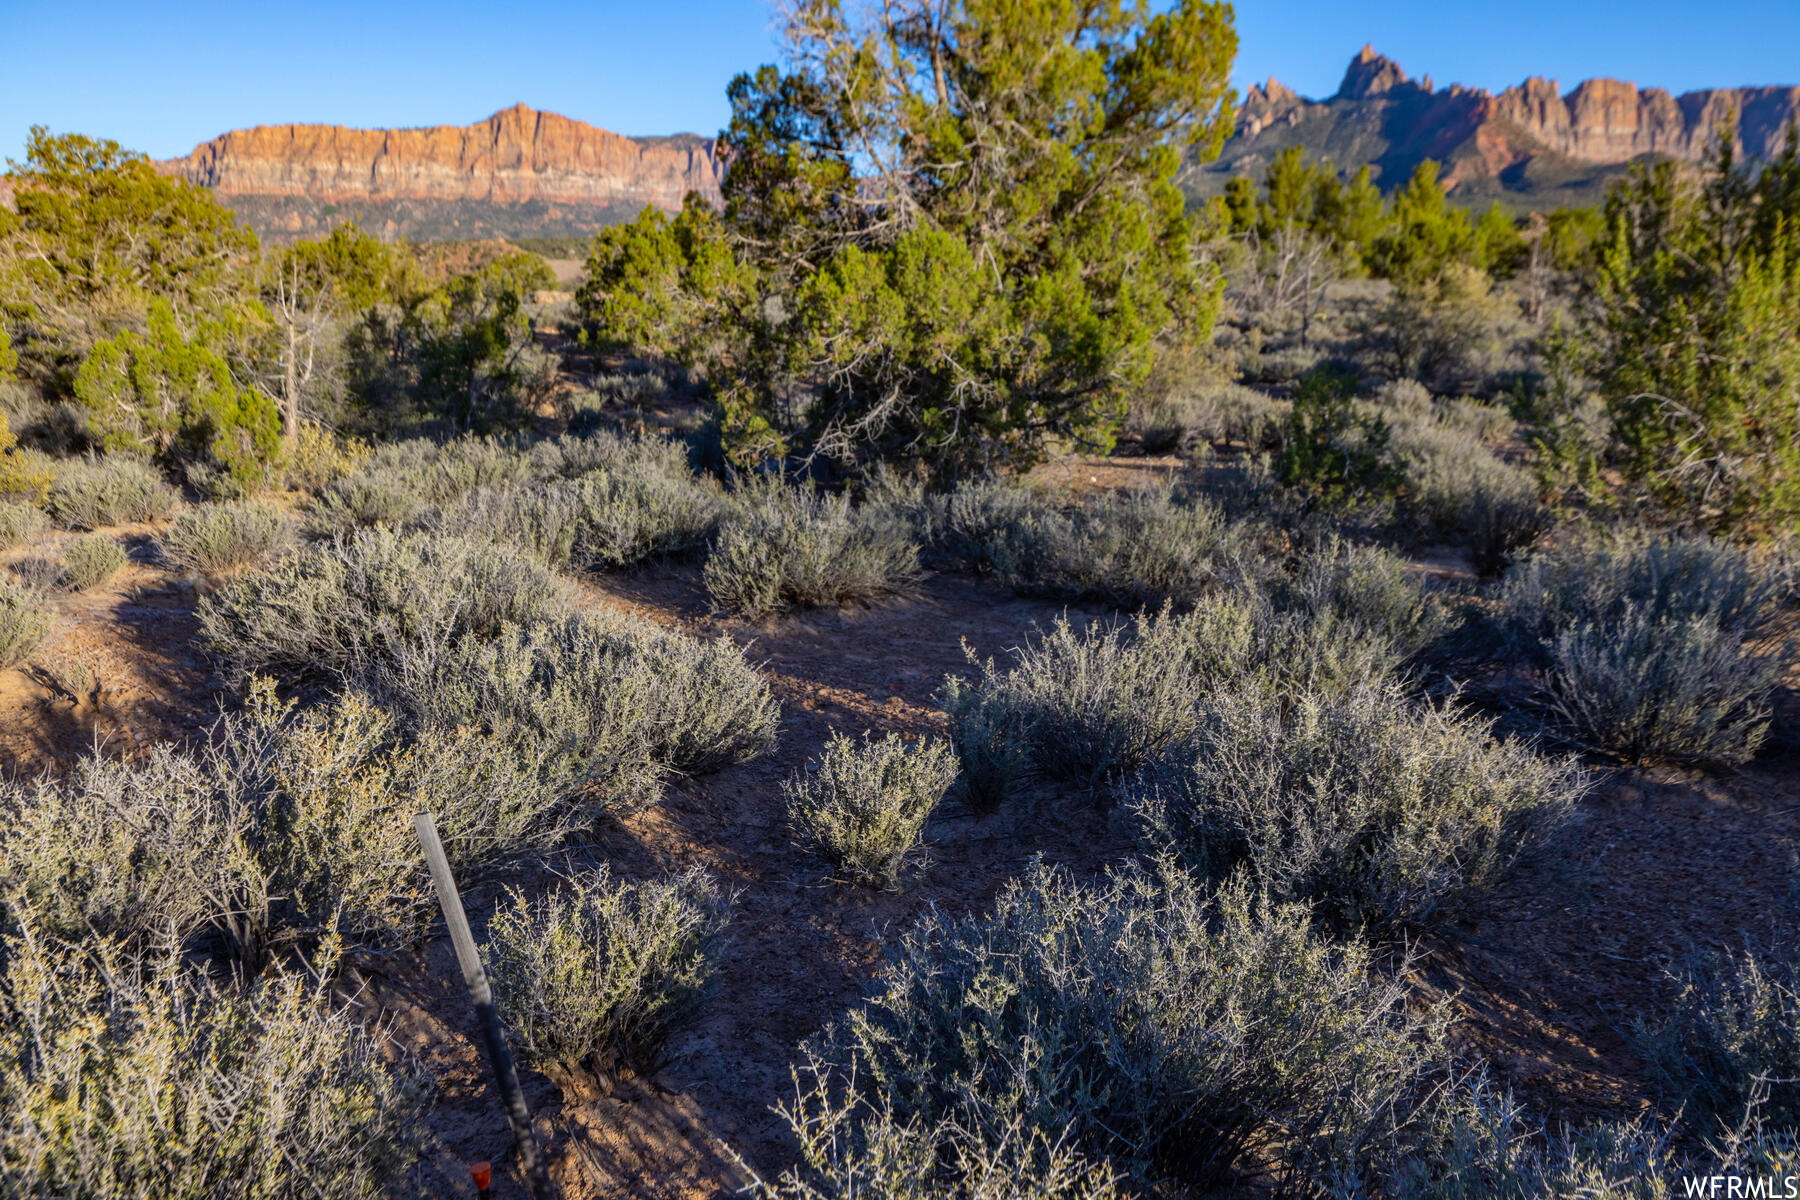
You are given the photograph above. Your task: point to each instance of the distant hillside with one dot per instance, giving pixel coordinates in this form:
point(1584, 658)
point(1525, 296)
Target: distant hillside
point(520, 173)
point(1530, 147)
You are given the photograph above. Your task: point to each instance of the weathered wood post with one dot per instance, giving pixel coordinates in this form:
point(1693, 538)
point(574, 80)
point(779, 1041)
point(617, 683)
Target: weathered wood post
point(512, 1096)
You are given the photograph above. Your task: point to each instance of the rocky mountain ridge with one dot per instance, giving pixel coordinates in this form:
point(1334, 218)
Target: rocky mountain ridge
point(1530, 145)
point(521, 172)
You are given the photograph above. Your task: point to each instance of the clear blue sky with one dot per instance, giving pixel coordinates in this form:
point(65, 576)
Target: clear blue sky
point(163, 75)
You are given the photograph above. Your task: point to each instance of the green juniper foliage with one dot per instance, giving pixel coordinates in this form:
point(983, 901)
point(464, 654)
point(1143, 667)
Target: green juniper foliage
point(947, 235)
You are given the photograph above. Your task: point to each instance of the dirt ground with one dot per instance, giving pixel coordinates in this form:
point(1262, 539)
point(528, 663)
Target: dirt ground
point(1544, 982)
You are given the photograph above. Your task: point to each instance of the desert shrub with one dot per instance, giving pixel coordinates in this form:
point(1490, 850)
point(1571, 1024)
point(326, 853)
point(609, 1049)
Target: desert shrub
point(1332, 452)
point(1096, 704)
point(93, 493)
point(1143, 1022)
point(1477, 1143)
point(1140, 547)
point(595, 693)
point(713, 708)
point(569, 457)
point(320, 609)
point(543, 522)
point(1365, 588)
point(1455, 487)
point(1175, 405)
point(466, 463)
point(1730, 1044)
point(25, 475)
point(865, 806)
point(127, 851)
point(215, 539)
point(1254, 419)
point(978, 515)
point(23, 622)
point(1372, 809)
point(360, 501)
point(783, 548)
point(627, 516)
point(1663, 647)
point(1478, 419)
point(989, 741)
point(281, 828)
point(317, 457)
point(563, 696)
point(89, 561)
point(598, 973)
point(852, 1146)
point(20, 523)
point(141, 1078)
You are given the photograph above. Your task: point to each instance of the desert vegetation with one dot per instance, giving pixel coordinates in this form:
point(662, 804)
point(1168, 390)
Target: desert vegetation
point(1038, 687)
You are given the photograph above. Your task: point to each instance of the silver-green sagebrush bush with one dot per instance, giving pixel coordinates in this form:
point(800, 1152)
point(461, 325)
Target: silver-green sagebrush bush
point(225, 536)
point(1094, 705)
point(139, 1077)
point(1147, 546)
point(1375, 810)
point(1661, 648)
point(1728, 1049)
point(19, 523)
point(851, 1146)
point(603, 701)
point(782, 548)
point(865, 806)
point(94, 493)
point(23, 622)
point(1172, 1034)
point(1455, 487)
point(323, 609)
point(283, 828)
point(90, 561)
point(597, 974)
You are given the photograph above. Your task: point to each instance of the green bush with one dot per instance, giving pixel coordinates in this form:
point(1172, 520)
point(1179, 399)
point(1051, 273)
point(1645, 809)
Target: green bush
point(628, 516)
point(989, 740)
point(94, 493)
point(1140, 547)
point(323, 609)
point(1730, 1046)
point(784, 548)
point(1666, 648)
point(597, 974)
point(20, 523)
point(280, 829)
point(131, 852)
point(865, 806)
point(1175, 1034)
point(216, 539)
point(358, 502)
point(23, 622)
point(90, 561)
point(1095, 706)
point(977, 516)
point(1454, 487)
point(128, 1078)
point(1371, 809)
point(1332, 452)
point(851, 1146)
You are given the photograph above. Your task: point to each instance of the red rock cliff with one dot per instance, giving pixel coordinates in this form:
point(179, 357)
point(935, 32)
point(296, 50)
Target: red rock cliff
point(514, 157)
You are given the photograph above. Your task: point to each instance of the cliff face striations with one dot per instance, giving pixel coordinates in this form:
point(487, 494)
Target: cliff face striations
point(519, 173)
point(1530, 146)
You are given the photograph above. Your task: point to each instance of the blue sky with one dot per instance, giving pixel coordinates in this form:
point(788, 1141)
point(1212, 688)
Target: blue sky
point(164, 76)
